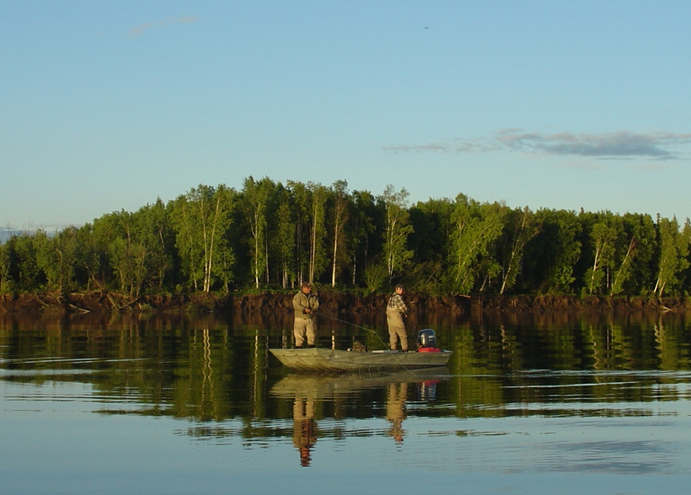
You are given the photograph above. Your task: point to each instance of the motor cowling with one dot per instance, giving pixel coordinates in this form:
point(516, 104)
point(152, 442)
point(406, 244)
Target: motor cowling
point(426, 338)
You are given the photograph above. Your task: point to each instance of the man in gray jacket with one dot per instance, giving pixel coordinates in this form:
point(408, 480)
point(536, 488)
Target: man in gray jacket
point(304, 304)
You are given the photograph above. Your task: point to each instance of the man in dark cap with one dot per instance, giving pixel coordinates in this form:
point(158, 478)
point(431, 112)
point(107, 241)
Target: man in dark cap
point(304, 304)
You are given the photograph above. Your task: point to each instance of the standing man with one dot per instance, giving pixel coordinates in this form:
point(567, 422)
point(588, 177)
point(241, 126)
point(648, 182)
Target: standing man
point(304, 304)
point(396, 310)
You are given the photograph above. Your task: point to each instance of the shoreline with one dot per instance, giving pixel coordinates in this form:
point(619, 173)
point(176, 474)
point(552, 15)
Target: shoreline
point(334, 303)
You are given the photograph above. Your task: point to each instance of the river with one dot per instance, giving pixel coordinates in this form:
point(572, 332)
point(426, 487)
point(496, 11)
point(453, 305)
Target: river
point(540, 404)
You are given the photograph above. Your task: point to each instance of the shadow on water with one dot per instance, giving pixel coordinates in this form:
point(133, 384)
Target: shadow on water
point(210, 370)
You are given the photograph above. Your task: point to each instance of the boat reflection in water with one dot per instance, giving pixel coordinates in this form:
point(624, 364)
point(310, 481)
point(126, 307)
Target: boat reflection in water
point(308, 389)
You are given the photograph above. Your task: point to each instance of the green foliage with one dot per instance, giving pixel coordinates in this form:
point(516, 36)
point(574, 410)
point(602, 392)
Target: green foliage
point(89, 259)
point(254, 199)
point(285, 238)
point(429, 277)
point(200, 221)
point(520, 227)
point(674, 249)
point(269, 236)
point(157, 237)
point(430, 244)
point(302, 199)
point(603, 235)
point(553, 254)
point(22, 266)
point(57, 258)
point(476, 227)
point(318, 260)
point(339, 209)
point(376, 276)
point(362, 230)
point(6, 285)
point(636, 237)
point(398, 228)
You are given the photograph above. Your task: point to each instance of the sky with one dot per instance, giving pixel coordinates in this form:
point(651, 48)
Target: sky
point(555, 104)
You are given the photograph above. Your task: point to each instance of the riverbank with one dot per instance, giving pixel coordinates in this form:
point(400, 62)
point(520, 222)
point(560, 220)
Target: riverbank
point(333, 303)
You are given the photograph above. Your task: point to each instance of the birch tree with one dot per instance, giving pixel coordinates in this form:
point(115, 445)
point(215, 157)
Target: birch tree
point(624, 271)
point(158, 239)
point(674, 249)
point(200, 221)
point(317, 255)
point(524, 228)
point(339, 218)
point(185, 224)
point(254, 199)
point(125, 252)
point(285, 237)
point(57, 257)
point(302, 198)
point(552, 256)
point(476, 227)
point(398, 228)
point(632, 238)
point(603, 235)
point(361, 232)
point(208, 204)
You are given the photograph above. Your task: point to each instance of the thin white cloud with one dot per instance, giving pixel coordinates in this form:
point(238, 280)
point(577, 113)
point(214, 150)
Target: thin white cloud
point(622, 144)
point(476, 145)
point(417, 148)
point(142, 28)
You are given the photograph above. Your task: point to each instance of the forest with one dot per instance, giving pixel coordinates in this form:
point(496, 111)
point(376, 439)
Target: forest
point(272, 236)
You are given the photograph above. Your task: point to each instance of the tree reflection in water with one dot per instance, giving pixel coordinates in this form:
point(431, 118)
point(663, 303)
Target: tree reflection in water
point(216, 373)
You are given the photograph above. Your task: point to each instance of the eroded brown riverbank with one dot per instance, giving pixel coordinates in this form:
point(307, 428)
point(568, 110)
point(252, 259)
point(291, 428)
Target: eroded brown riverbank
point(334, 304)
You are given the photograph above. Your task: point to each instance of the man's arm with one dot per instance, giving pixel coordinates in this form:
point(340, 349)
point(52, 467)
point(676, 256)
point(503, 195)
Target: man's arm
point(299, 304)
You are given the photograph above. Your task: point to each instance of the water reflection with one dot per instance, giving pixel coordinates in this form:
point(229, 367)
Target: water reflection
point(218, 375)
point(304, 428)
point(396, 394)
point(309, 390)
point(211, 370)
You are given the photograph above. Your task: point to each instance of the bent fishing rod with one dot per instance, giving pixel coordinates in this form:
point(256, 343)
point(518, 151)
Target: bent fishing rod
point(354, 325)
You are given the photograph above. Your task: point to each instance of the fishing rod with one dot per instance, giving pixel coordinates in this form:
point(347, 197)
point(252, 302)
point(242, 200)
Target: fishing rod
point(347, 322)
point(356, 326)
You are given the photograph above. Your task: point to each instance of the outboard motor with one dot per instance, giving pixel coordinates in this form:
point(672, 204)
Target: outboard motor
point(426, 338)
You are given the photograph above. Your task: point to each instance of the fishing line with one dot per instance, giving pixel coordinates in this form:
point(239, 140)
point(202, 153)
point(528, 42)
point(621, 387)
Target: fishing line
point(356, 326)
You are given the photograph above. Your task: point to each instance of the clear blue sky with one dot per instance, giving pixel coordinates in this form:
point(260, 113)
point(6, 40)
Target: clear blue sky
point(558, 104)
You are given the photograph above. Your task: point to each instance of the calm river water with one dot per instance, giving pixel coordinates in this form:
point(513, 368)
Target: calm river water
point(544, 405)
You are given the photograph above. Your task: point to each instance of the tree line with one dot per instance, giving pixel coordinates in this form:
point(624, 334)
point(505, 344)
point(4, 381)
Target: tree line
point(270, 235)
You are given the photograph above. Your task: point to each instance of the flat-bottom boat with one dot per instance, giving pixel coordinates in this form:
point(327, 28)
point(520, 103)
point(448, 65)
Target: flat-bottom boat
point(334, 360)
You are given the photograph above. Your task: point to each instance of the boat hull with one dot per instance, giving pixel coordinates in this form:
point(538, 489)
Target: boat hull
point(337, 360)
